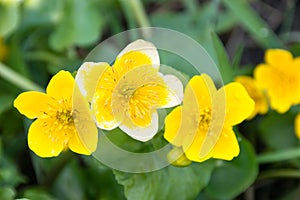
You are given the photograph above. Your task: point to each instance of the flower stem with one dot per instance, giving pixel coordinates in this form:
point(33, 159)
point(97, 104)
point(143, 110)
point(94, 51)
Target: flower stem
point(139, 13)
point(17, 79)
point(280, 173)
point(279, 156)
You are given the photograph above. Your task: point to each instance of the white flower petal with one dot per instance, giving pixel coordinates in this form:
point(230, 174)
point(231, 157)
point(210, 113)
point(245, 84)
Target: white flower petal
point(139, 133)
point(145, 47)
point(175, 91)
point(87, 77)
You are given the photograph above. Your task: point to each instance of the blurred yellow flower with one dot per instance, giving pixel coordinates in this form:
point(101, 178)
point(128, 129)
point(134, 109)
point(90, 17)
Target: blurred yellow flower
point(297, 126)
point(280, 77)
point(127, 94)
point(256, 93)
point(3, 50)
point(202, 126)
point(57, 125)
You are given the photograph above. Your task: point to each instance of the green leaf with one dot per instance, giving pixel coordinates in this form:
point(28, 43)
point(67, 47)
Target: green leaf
point(7, 193)
point(224, 64)
point(253, 23)
point(230, 178)
point(168, 183)
point(277, 130)
point(9, 16)
point(5, 102)
point(37, 194)
point(80, 24)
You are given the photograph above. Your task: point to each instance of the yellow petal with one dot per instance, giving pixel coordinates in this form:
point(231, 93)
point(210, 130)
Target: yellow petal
point(34, 104)
point(227, 146)
point(45, 141)
point(142, 134)
point(172, 127)
point(192, 150)
point(75, 144)
point(102, 101)
point(278, 90)
point(86, 140)
point(279, 58)
point(197, 99)
point(239, 104)
point(136, 97)
point(256, 93)
point(88, 76)
point(61, 85)
point(201, 87)
point(297, 126)
point(144, 47)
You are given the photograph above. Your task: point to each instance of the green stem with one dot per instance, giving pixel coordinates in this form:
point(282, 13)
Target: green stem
point(279, 156)
point(139, 13)
point(59, 165)
point(281, 173)
point(17, 79)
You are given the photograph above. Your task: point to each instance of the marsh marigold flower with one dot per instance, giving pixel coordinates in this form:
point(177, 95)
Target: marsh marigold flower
point(128, 93)
point(297, 126)
point(202, 126)
point(256, 93)
point(280, 77)
point(58, 125)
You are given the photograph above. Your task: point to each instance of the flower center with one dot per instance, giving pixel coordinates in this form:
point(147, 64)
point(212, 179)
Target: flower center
point(205, 118)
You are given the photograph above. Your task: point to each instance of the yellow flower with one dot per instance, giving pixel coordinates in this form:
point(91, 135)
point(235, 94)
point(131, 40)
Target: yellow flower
point(58, 125)
point(202, 126)
point(297, 126)
point(280, 77)
point(3, 50)
point(128, 94)
point(256, 93)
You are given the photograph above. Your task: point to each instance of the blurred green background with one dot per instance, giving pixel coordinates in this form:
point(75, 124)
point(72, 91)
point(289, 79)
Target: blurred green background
point(40, 37)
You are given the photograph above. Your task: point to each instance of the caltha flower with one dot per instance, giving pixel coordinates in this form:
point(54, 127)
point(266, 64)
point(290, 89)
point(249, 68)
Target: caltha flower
point(202, 126)
point(280, 77)
point(128, 93)
point(297, 126)
point(58, 126)
point(256, 93)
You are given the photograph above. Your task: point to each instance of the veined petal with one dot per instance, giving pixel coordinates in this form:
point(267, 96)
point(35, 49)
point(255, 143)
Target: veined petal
point(297, 126)
point(279, 58)
point(172, 127)
point(44, 140)
point(175, 91)
point(34, 104)
point(88, 76)
point(142, 134)
point(102, 101)
point(239, 104)
point(227, 146)
point(146, 48)
point(85, 139)
point(61, 85)
point(136, 97)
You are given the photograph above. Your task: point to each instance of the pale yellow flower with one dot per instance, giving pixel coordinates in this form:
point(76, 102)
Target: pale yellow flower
point(128, 94)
